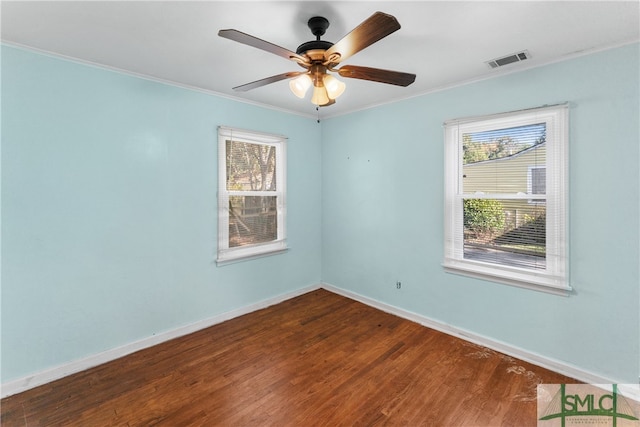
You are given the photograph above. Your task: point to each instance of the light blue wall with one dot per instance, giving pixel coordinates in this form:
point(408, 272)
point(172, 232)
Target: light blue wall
point(109, 210)
point(382, 195)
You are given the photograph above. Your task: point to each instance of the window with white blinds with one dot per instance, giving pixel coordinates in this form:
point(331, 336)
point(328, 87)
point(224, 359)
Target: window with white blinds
point(506, 198)
point(251, 194)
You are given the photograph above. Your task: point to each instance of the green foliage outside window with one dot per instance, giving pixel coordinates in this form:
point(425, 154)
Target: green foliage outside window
point(483, 217)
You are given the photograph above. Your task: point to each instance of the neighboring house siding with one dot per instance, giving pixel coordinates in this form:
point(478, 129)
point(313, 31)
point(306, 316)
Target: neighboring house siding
point(481, 177)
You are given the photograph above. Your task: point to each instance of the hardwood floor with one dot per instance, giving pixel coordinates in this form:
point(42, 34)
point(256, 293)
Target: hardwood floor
point(318, 359)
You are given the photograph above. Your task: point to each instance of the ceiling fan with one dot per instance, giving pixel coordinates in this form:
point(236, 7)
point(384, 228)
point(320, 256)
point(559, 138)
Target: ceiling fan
point(319, 57)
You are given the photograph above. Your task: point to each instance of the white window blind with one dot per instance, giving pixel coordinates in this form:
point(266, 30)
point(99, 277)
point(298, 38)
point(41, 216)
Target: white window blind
point(505, 198)
point(251, 194)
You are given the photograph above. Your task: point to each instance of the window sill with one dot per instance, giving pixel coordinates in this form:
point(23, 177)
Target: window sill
point(521, 280)
point(248, 257)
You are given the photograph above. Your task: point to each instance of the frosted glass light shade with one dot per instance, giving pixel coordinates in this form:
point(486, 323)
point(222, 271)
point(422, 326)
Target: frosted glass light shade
point(319, 96)
point(300, 85)
point(335, 87)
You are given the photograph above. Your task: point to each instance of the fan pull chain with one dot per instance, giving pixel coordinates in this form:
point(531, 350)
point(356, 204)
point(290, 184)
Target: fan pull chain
point(318, 111)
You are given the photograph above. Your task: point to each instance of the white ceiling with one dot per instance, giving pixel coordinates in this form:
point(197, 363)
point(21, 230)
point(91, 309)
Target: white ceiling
point(445, 43)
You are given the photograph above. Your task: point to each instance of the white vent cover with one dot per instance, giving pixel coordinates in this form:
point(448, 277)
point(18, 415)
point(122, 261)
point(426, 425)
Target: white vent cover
point(509, 59)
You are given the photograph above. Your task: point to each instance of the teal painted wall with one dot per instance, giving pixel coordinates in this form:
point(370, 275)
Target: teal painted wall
point(109, 210)
point(382, 195)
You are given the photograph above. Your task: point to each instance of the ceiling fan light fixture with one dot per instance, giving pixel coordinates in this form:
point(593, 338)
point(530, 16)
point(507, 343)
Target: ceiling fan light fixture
point(320, 96)
point(334, 87)
point(300, 85)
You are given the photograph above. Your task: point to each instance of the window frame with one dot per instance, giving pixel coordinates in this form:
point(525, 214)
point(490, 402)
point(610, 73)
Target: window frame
point(226, 254)
point(554, 278)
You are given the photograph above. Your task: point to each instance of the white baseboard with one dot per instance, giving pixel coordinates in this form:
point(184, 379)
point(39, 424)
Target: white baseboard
point(55, 373)
point(510, 350)
point(46, 376)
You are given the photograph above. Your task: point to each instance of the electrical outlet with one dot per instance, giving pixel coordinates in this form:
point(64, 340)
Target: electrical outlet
point(398, 284)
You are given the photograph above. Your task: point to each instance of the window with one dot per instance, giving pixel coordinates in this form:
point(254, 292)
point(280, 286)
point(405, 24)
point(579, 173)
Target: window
point(506, 197)
point(537, 180)
point(251, 194)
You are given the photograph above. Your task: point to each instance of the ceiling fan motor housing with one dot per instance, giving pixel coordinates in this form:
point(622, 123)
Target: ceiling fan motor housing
point(313, 45)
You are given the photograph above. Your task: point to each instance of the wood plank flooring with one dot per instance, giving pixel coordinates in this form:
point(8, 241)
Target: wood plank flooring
point(316, 360)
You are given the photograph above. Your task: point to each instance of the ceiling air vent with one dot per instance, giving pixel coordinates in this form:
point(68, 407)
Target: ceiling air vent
point(509, 59)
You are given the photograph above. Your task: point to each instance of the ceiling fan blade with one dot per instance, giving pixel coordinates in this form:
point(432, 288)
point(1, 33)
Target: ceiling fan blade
point(331, 102)
point(374, 28)
point(250, 40)
point(268, 80)
point(377, 75)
